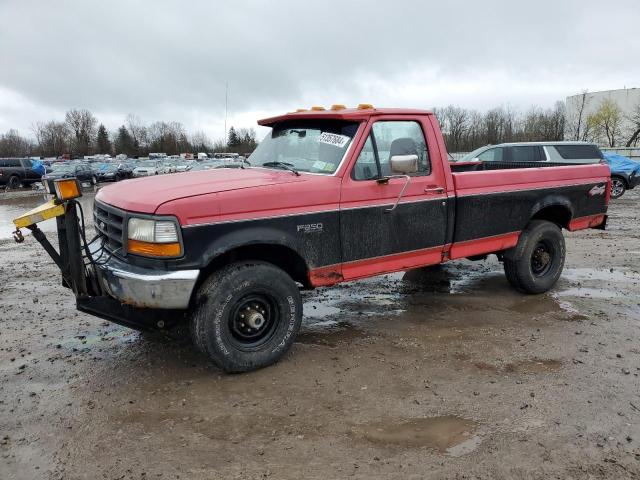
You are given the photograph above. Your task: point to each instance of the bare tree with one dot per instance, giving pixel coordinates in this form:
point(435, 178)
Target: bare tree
point(82, 125)
point(634, 121)
point(137, 131)
point(12, 144)
point(578, 125)
point(52, 138)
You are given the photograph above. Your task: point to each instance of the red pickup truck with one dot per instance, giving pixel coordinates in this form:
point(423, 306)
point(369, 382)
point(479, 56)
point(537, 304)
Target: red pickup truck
point(328, 196)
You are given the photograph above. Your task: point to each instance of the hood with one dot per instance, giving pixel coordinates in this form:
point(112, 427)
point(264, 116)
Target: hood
point(146, 194)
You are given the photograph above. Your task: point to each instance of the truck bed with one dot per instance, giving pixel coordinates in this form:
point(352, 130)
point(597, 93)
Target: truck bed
point(495, 205)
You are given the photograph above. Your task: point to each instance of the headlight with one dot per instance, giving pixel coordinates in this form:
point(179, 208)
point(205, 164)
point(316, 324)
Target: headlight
point(154, 238)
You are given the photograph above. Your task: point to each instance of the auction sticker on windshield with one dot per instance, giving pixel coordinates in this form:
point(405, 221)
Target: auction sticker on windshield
point(333, 139)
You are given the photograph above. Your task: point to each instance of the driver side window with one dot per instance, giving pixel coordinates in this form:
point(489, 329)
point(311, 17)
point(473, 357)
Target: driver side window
point(387, 139)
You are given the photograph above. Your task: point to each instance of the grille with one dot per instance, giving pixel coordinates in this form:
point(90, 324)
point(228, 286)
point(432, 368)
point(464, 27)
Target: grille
point(109, 223)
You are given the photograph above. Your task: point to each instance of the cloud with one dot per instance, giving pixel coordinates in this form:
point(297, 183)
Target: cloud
point(170, 60)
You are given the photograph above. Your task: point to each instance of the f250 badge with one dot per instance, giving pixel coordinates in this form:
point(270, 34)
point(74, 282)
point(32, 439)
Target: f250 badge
point(310, 228)
point(597, 190)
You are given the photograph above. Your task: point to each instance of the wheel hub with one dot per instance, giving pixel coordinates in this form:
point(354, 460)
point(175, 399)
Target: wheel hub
point(541, 260)
point(253, 320)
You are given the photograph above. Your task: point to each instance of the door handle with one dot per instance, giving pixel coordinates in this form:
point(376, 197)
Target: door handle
point(434, 190)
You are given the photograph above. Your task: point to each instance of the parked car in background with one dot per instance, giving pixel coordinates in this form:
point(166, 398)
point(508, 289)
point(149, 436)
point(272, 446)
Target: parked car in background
point(126, 168)
point(625, 173)
point(147, 167)
point(553, 152)
point(109, 172)
point(81, 170)
point(16, 172)
point(168, 166)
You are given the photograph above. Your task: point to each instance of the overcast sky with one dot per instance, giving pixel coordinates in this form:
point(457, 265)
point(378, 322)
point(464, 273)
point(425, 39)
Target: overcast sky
point(169, 60)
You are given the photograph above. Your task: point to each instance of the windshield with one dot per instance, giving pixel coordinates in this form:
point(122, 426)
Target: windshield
point(64, 169)
point(315, 146)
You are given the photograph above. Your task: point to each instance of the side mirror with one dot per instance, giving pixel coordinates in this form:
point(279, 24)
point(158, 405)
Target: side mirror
point(404, 164)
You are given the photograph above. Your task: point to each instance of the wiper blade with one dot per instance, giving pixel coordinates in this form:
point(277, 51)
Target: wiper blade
point(284, 165)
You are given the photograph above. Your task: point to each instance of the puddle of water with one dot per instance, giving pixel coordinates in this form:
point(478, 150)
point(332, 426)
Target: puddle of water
point(582, 274)
point(320, 309)
point(11, 208)
point(329, 333)
point(588, 292)
point(115, 333)
point(447, 434)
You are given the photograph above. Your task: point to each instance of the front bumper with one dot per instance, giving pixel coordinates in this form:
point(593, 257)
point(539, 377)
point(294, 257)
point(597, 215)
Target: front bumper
point(634, 180)
point(143, 287)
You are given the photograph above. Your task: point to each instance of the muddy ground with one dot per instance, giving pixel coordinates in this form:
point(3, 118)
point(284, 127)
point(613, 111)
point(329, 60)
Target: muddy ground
point(449, 375)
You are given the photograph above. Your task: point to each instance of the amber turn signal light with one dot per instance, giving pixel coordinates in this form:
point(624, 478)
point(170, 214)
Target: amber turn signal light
point(154, 249)
point(67, 188)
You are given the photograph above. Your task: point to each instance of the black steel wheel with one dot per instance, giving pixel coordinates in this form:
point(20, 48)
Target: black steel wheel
point(246, 315)
point(253, 319)
point(542, 258)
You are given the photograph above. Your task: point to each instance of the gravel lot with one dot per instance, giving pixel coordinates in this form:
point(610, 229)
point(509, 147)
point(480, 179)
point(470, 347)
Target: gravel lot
point(445, 373)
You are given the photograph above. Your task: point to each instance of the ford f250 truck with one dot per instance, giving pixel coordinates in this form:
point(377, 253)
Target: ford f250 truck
point(329, 196)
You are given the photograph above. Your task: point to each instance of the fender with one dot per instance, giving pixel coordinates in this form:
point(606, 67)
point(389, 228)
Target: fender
point(249, 236)
point(550, 202)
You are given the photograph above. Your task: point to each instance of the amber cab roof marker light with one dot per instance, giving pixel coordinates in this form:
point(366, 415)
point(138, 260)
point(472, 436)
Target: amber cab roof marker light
point(317, 108)
point(365, 106)
point(338, 106)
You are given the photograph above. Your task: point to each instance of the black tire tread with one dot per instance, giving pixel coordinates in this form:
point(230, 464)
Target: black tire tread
point(211, 288)
point(516, 265)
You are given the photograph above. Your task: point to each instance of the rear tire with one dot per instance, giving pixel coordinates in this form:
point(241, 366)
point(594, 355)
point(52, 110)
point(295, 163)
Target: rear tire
point(246, 316)
point(14, 182)
point(536, 262)
point(618, 187)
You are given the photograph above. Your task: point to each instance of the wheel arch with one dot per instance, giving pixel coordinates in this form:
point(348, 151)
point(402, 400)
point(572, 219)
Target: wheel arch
point(621, 177)
point(553, 210)
point(282, 256)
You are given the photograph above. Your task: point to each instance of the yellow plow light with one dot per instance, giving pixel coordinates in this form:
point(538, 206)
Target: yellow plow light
point(48, 210)
point(67, 188)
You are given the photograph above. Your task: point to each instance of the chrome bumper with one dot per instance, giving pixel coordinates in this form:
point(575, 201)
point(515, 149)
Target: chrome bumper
point(143, 287)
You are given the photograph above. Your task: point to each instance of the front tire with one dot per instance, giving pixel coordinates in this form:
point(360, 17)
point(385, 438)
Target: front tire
point(246, 316)
point(534, 265)
point(618, 187)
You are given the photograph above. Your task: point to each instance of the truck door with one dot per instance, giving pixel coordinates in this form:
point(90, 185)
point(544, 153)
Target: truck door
point(390, 222)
